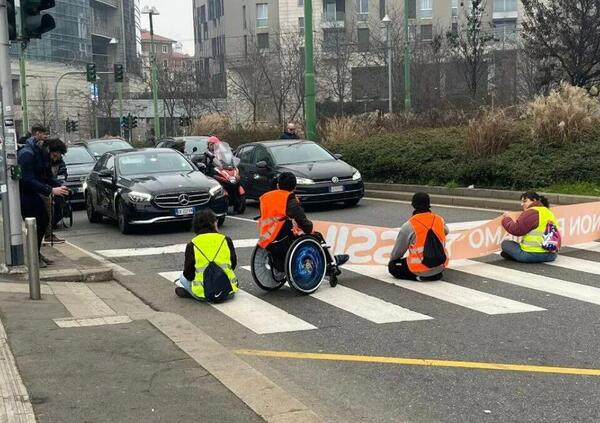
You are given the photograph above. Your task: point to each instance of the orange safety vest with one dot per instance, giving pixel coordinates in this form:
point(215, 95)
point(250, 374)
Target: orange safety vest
point(273, 213)
point(421, 223)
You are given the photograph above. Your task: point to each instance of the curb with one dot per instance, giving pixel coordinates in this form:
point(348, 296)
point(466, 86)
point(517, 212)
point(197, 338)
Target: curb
point(92, 274)
point(467, 197)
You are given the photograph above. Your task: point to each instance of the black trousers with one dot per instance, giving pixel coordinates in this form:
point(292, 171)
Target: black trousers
point(399, 269)
point(37, 210)
point(282, 243)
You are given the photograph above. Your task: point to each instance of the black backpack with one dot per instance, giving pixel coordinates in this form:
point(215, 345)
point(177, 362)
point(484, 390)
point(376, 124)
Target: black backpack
point(434, 254)
point(217, 285)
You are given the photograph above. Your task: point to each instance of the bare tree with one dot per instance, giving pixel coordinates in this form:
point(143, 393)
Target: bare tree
point(42, 106)
point(169, 91)
point(470, 45)
point(560, 35)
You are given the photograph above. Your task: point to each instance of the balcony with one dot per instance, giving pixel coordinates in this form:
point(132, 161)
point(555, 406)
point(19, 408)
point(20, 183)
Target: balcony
point(103, 25)
point(333, 19)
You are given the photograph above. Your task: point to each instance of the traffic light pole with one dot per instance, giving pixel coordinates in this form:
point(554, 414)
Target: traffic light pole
point(154, 83)
point(309, 74)
point(120, 92)
point(407, 84)
point(15, 256)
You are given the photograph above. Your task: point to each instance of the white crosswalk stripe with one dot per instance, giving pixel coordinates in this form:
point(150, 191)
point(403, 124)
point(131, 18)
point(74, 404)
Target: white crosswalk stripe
point(579, 265)
point(257, 315)
point(168, 249)
point(585, 293)
point(363, 305)
point(450, 293)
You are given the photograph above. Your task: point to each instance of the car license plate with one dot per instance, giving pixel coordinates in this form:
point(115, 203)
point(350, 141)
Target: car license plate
point(186, 211)
point(338, 188)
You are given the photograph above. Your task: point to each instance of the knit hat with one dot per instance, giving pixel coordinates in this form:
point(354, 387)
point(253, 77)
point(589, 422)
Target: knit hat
point(421, 201)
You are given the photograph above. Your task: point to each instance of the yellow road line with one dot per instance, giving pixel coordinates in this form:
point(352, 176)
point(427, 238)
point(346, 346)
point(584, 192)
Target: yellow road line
point(422, 362)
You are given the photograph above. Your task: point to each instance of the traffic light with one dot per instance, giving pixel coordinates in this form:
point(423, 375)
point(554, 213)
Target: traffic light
point(34, 23)
point(12, 20)
point(125, 122)
point(118, 72)
point(90, 72)
point(133, 121)
point(74, 126)
point(67, 125)
point(185, 121)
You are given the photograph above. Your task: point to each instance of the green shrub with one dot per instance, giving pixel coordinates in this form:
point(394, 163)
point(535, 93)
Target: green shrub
point(490, 133)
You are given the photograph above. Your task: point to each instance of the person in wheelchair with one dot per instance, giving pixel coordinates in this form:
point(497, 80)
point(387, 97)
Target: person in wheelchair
point(282, 220)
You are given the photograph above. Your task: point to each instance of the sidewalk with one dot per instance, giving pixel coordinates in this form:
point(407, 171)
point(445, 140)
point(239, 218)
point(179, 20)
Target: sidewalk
point(93, 352)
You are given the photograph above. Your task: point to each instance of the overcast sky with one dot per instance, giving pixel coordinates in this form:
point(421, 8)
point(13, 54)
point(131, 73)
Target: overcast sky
point(175, 21)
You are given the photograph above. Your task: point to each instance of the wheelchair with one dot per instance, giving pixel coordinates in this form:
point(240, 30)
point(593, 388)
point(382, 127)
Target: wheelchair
point(306, 266)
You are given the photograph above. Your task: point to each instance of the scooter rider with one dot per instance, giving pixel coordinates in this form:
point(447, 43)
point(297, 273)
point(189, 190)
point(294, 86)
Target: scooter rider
point(209, 154)
point(279, 211)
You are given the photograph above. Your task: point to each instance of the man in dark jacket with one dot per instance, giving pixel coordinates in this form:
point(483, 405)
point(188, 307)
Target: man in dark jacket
point(37, 181)
point(290, 133)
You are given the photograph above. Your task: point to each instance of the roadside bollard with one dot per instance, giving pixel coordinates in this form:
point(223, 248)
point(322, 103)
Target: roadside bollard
point(33, 258)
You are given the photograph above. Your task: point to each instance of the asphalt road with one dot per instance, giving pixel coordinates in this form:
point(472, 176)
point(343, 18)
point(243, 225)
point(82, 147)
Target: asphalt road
point(551, 322)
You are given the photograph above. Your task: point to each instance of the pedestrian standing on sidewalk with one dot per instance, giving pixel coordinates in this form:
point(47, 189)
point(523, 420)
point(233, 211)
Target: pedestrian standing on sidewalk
point(537, 244)
point(414, 237)
point(210, 261)
point(37, 181)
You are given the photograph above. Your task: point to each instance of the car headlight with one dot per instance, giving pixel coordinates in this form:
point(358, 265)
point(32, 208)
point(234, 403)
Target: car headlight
point(356, 176)
point(139, 197)
point(304, 181)
point(216, 191)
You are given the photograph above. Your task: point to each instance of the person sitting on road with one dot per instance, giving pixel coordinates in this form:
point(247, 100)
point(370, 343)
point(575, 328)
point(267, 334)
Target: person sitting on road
point(200, 279)
point(531, 225)
point(413, 237)
point(290, 132)
point(280, 217)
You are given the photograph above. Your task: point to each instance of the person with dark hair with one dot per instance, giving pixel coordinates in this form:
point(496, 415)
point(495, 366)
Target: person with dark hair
point(279, 211)
point(531, 226)
point(208, 246)
point(39, 132)
point(37, 181)
point(412, 237)
point(290, 132)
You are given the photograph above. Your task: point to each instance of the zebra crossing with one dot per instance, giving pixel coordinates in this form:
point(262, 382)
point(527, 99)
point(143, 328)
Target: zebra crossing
point(255, 310)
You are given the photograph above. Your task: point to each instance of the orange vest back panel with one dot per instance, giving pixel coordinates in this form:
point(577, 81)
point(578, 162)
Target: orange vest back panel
point(273, 212)
point(421, 223)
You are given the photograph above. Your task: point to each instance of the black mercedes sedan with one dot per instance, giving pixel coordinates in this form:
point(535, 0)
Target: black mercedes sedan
point(79, 163)
point(322, 176)
point(140, 187)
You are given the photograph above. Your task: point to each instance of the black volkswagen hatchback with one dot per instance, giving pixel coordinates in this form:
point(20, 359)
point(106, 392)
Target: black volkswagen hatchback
point(138, 187)
point(322, 177)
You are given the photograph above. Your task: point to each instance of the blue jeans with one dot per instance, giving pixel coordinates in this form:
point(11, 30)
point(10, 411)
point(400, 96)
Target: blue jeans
point(188, 287)
point(513, 249)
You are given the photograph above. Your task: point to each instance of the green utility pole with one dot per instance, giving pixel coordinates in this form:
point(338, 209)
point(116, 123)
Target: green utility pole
point(23, 80)
point(309, 74)
point(154, 81)
point(407, 87)
point(120, 91)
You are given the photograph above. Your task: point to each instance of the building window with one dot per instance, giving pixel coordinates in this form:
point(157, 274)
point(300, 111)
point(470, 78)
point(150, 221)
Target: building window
point(263, 41)
point(262, 15)
point(454, 28)
point(363, 36)
point(245, 45)
point(165, 64)
point(331, 11)
point(454, 8)
point(505, 5)
point(426, 8)
point(211, 9)
point(412, 9)
point(426, 32)
point(506, 30)
point(301, 25)
point(362, 10)
point(245, 25)
point(382, 11)
point(165, 49)
point(300, 3)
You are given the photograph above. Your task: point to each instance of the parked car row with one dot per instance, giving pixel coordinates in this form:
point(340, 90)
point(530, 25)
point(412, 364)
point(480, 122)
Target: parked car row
point(182, 175)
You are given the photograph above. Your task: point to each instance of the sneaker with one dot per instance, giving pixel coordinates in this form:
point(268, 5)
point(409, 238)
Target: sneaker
point(340, 259)
point(53, 239)
point(45, 259)
point(182, 292)
point(506, 256)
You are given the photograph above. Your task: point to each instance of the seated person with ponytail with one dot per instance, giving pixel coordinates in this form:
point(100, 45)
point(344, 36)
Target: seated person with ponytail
point(537, 225)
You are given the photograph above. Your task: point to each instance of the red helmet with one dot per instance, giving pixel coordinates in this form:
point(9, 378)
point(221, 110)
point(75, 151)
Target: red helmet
point(213, 140)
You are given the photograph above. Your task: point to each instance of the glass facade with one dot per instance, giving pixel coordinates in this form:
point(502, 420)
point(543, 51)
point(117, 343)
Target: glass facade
point(70, 42)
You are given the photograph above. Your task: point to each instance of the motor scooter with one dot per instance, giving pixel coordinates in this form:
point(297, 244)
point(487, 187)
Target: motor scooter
point(221, 165)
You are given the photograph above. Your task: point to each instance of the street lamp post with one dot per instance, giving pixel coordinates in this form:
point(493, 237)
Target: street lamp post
point(310, 108)
point(386, 23)
point(151, 11)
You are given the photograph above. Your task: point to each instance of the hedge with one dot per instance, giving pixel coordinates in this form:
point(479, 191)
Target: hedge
point(438, 157)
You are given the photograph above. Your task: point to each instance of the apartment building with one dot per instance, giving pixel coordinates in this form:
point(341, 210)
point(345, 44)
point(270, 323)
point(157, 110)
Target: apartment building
point(168, 53)
point(223, 33)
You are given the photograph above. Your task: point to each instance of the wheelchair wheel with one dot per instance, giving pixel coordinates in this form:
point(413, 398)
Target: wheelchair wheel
point(261, 270)
point(305, 264)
